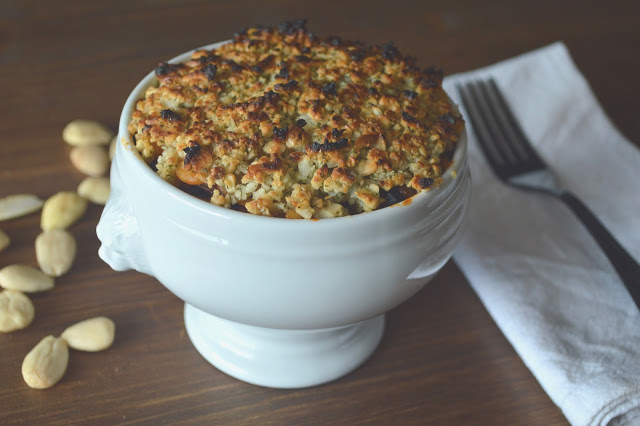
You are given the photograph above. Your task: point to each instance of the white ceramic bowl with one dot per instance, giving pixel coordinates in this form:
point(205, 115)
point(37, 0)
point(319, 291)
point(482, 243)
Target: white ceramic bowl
point(277, 302)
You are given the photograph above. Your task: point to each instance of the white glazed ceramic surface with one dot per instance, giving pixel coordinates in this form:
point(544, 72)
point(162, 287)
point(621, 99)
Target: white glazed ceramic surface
point(277, 277)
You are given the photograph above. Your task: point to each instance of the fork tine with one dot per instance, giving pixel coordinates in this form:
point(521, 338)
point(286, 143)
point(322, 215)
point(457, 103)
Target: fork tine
point(478, 118)
point(500, 138)
point(513, 132)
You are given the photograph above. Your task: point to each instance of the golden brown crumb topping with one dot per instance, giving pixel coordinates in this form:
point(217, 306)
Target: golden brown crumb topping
point(279, 122)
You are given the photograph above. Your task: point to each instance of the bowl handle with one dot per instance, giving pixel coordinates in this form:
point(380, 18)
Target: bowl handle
point(118, 230)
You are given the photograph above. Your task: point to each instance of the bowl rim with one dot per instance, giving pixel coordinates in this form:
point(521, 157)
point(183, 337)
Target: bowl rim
point(453, 174)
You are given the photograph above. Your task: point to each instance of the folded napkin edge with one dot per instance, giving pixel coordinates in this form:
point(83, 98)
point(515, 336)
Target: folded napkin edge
point(556, 60)
point(619, 407)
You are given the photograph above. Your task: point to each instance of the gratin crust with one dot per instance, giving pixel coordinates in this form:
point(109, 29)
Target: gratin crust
point(279, 122)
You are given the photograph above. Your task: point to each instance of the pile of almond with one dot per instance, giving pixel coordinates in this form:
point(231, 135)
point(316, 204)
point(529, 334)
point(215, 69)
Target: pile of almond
point(55, 250)
point(47, 362)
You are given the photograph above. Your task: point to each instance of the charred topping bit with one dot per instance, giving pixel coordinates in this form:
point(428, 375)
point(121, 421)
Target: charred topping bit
point(448, 118)
point(166, 68)
point(271, 97)
point(206, 58)
point(397, 194)
point(202, 192)
point(410, 119)
point(350, 113)
point(273, 164)
point(239, 208)
point(191, 152)
point(283, 74)
point(329, 146)
point(264, 165)
point(228, 144)
point(390, 52)
point(330, 89)
point(235, 67)
point(288, 86)
point(290, 124)
point(446, 124)
point(425, 182)
point(170, 115)
point(431, 77)
point(210, 71)
point(280, 133)
point(410, 94)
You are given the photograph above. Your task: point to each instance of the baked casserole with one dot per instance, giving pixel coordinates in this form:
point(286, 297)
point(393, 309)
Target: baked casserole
point(279, 122)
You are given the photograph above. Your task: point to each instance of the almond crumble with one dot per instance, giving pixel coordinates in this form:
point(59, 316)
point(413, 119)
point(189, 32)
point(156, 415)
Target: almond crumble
point(280, 122)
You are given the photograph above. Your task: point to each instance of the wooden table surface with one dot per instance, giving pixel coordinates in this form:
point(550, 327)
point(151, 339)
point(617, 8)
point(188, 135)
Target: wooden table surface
point(442, 359)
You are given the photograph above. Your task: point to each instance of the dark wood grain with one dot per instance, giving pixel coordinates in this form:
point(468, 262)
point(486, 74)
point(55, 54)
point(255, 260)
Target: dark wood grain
point(442, 359)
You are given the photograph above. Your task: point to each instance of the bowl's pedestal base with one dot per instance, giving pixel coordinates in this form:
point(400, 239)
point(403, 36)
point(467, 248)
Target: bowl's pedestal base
point(282, 358)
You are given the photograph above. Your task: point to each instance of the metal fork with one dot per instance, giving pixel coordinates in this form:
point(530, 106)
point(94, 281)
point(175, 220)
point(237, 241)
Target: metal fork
point(514, 160)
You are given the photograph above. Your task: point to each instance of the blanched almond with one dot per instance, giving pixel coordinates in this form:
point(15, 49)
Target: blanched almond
point(95, 189)
point(24, 278)
point(62, 210)
point(90, 160)
point(4, 240)
point(47, 362)
point(18, 205)
point(86, 132)
point(90, 335)
point(16, 311)
point(55, 251)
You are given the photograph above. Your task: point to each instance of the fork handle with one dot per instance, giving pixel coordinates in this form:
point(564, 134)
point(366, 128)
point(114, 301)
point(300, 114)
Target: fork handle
point(626, 267)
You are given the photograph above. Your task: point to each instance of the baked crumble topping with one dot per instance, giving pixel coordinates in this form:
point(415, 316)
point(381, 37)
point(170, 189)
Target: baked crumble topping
point(280, 122)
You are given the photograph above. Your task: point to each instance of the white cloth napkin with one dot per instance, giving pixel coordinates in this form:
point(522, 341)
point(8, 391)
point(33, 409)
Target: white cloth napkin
point(537, 270)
